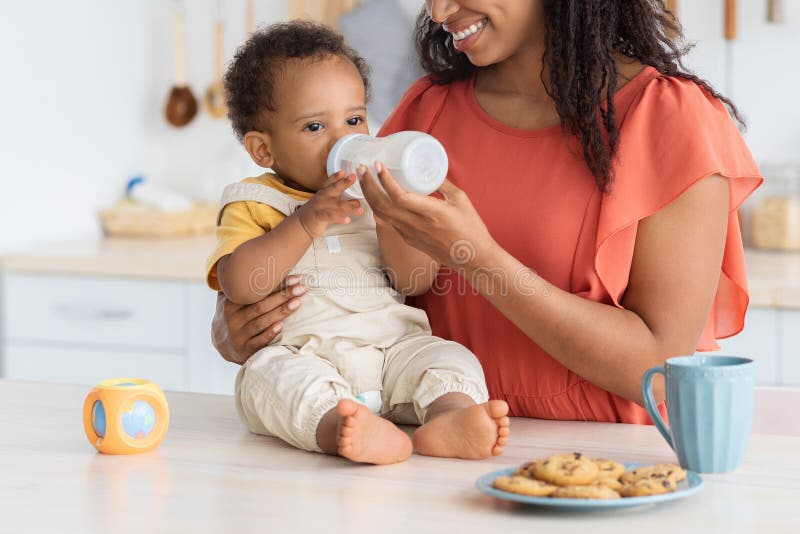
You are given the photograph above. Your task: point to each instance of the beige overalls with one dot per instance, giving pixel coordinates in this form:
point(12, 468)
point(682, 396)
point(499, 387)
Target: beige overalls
point(352, 338)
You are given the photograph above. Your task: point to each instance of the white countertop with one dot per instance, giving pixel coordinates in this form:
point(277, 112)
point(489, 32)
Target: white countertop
point(773, 277)
point(182, 259)
point(211, 475)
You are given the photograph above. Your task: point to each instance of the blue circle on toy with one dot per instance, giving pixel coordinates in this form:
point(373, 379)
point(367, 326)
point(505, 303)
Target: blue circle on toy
point(139, 421)
point(99, 418)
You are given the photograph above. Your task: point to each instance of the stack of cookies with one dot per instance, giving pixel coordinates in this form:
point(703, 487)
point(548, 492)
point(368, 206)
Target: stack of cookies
point(575, 476)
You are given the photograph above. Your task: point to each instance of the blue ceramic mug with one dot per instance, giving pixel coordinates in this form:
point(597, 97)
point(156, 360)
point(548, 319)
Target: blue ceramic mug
point(710, 408)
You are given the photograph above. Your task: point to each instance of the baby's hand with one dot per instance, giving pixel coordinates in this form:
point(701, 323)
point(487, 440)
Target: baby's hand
point(326, 207)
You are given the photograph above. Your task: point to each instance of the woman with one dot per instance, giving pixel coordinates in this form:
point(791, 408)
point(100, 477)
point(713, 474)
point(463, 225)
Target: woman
point(588, 228)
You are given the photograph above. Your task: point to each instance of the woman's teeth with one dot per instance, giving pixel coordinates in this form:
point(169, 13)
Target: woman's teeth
point(463, 34)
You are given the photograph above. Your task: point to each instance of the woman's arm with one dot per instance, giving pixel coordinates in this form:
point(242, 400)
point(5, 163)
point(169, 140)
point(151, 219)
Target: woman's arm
point(673, 280)
point(410, 270)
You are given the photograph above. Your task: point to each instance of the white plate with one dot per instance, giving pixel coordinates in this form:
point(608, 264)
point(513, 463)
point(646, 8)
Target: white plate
point(686, 487)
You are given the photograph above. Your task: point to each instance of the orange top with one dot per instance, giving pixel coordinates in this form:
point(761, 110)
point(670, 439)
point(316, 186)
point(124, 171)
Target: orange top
point(537, 197)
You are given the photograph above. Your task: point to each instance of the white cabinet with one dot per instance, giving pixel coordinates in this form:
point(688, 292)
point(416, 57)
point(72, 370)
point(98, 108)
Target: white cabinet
point(82, 329)
point(207, 370)
point(95, 311)
point(759, 341)
point(88, 365)
point(771, 337)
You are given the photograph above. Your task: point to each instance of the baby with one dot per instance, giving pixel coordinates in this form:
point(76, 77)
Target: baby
point(353, 360)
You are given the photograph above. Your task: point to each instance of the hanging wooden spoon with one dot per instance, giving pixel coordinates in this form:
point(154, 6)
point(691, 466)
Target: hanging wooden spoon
point(775, 11)
point(181, 105)
point(215, 94)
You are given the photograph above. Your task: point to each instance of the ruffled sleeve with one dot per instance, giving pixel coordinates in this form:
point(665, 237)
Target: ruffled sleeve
point(418, 109)
point(672, 135)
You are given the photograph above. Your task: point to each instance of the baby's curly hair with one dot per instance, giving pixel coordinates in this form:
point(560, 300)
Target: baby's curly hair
point(249, 80)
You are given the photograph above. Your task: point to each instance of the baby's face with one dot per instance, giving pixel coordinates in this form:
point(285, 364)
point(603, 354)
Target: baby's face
point(317, 102)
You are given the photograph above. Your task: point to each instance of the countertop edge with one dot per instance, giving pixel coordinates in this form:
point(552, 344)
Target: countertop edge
point(773, 277)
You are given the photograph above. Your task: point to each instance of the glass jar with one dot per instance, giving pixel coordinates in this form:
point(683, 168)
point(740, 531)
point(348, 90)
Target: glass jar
point(775, 217)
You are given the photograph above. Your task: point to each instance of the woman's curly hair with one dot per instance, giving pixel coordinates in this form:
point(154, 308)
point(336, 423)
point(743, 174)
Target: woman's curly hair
point(581, 42)
point(250, 78)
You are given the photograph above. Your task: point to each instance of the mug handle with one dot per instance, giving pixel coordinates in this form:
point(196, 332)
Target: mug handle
point(650, 402)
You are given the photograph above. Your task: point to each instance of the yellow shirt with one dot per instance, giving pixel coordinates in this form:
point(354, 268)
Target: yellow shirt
point(243, 221)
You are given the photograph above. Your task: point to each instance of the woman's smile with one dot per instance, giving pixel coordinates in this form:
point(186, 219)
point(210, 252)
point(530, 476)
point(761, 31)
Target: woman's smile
point(464, 36)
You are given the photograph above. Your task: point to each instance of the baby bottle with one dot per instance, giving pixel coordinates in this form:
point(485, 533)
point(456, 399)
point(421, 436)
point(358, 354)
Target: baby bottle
point(416, 160)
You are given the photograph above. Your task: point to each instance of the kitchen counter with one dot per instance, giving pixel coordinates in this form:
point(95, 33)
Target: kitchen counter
point(211, 475)
point(773, 277)
point(172, 259)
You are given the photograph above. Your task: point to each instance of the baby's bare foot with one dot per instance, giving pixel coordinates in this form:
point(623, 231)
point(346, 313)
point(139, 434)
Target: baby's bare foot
point(472, 433)
point(364, 437)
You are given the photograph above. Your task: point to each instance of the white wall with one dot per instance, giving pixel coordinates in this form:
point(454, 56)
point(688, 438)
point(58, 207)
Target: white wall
point(84, 84)
point(765, 74)
point(84, 88)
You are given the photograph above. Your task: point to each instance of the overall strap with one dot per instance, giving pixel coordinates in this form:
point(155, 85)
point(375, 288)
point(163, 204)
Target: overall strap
point(250, 192)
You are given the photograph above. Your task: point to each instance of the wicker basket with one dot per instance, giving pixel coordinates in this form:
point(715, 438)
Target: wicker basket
point(132, 220)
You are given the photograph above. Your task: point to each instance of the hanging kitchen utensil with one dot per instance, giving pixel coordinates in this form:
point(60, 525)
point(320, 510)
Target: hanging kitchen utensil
point(215, 94)
point(324, 11)
point(671, 6)
point(181, 105)
point(730, 37)
point(775, 11)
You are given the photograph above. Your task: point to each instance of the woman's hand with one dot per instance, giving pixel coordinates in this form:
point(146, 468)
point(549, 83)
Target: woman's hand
point(448, 229)
point(238, 332)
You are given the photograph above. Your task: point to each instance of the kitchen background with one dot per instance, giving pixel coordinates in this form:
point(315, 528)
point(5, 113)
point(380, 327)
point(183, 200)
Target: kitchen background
point(85, 87)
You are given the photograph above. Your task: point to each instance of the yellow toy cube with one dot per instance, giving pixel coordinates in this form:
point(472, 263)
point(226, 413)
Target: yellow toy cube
point(125, 416)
